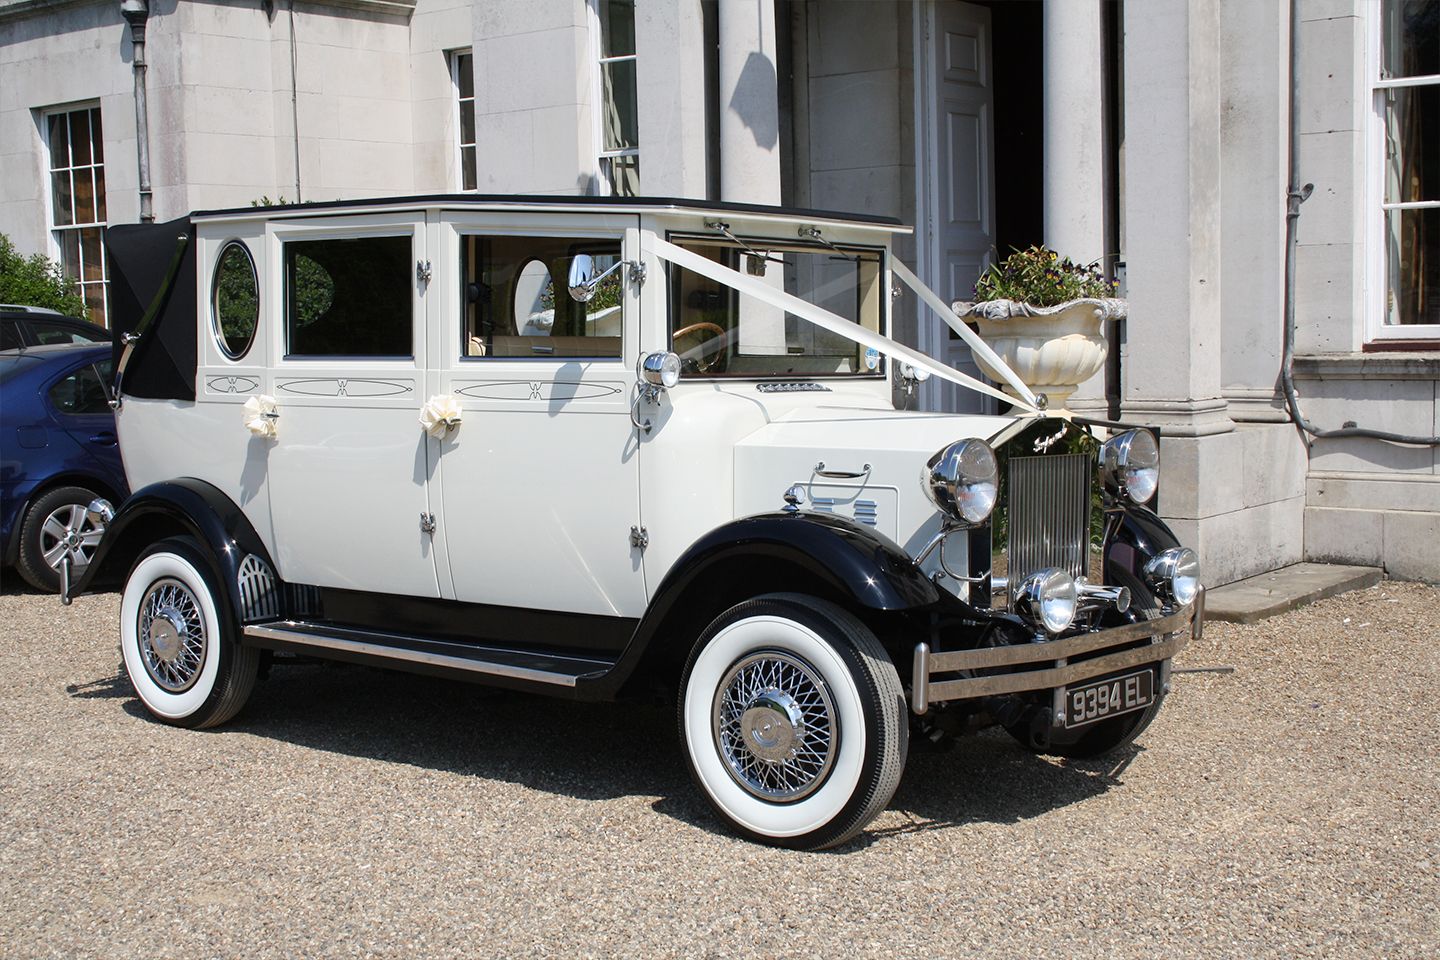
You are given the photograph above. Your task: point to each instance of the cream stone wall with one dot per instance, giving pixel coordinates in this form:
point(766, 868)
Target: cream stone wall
point(370, 89)
point(67, 56)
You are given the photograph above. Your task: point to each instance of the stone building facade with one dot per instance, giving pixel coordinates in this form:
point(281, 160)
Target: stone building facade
point(1152, 135)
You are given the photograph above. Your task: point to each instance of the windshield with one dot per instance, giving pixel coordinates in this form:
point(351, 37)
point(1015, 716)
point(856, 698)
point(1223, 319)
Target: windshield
point(720, 332)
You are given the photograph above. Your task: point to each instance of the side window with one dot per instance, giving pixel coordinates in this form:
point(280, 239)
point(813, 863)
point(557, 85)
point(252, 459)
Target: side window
point(517, 304)
point(58, 333)
point(236, 300)
point(349, 298)
point(10, 338)
point(81, 392)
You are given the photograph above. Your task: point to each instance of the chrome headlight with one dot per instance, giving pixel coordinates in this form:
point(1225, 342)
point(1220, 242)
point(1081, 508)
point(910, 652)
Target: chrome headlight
point(660, 369)
point(962, 480)
point(1130, 465)
point(1048, 598)
point(1175, 573)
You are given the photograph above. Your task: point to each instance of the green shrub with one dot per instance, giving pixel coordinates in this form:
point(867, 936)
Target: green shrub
point(37, 281)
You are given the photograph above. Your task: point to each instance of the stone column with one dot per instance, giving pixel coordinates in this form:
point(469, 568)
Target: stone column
point(1235, 496)
point(535, 96)
point(1171, 365)
point(670, 48)
point(1075, 148)
point(750, 142)
point(749, 103)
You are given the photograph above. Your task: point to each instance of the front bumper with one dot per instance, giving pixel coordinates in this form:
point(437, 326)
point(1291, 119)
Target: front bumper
point(1046, 665)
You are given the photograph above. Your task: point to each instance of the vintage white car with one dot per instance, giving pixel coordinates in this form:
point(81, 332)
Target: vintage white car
point(596, 448)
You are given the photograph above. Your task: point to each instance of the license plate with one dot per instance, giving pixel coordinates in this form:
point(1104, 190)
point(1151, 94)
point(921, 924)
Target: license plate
point(1109, 698)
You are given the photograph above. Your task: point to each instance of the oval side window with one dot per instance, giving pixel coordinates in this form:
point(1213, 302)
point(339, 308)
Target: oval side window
point(534, 300)
point(235, 300)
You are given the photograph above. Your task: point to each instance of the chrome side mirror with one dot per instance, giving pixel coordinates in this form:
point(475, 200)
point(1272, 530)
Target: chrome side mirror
point(583, 279)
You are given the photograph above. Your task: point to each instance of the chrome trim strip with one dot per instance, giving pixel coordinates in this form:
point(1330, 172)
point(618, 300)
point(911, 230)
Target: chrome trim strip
point(1068, 648)
point(1055, 676)
point(410, 656)
point(1170, 634)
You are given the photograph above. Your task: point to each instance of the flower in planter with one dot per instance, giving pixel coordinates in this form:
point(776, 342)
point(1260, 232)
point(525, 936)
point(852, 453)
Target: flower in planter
point(1040, 277)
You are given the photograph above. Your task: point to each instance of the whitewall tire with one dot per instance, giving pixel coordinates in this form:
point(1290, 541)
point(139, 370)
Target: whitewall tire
point(792, 719)
point(178, 639)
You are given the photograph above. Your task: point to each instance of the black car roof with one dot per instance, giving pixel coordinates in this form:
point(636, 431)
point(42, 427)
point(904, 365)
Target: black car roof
point(462, 200)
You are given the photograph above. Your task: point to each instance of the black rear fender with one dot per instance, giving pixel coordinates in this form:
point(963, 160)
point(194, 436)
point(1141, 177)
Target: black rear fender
point(183, 507)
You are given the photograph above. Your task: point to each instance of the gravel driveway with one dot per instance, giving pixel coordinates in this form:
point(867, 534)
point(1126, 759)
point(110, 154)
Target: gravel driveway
point(1289, 810)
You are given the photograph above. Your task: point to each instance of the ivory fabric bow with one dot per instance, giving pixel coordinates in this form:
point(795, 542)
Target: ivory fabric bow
point(440, 415)
point(261, 416)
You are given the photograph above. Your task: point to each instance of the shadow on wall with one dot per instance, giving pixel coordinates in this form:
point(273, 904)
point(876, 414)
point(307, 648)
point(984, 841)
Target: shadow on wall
point(757, 74)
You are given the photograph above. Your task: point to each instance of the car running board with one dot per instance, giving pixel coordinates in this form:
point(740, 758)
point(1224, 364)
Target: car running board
point(425, 655)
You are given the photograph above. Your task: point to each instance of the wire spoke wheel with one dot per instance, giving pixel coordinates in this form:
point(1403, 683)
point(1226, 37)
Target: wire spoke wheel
point(792, 718)
point(171, 632)
point(775, 726)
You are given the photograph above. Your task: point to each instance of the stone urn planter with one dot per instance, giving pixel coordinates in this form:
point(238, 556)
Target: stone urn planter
point(1051, 349)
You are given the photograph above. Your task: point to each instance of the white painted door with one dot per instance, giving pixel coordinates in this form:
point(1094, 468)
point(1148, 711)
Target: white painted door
point(538, 487)
point(349, 464)
point(958, 206)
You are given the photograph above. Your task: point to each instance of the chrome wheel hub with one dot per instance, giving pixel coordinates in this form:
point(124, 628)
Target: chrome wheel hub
point(166, 630)
point(171, 634)
point(775, 726)
point(770, 725)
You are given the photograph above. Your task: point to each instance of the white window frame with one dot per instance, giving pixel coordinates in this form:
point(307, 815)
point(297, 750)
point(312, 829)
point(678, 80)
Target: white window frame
point(453, 56)
point(1374, 88)
point(597, 49)
point(52, 229)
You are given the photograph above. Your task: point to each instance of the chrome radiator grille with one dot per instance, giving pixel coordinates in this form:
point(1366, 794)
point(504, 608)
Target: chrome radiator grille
point(1049, 513)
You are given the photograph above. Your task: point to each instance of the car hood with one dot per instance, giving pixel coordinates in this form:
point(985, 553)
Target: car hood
point(859, 462)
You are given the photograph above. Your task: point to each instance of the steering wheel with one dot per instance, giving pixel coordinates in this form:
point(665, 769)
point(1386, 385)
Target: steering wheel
point(703, 364)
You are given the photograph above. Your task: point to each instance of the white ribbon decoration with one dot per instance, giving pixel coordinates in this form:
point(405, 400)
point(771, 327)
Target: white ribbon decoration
point(752, 287)
point(971, 338)
point(261, 415)
point(440, 415)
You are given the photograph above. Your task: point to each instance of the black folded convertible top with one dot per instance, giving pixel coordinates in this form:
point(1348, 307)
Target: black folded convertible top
point(162, 366)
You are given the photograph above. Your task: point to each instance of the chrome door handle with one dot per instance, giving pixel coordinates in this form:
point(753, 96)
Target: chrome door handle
point(820, 471)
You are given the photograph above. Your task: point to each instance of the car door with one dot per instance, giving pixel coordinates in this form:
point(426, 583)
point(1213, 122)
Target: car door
point(80, 407)
point(539, 484)
point(348, 467)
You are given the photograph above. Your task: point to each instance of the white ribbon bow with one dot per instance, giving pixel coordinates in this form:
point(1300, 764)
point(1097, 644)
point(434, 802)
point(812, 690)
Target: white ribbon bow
point(261, 416)
point(440, 415)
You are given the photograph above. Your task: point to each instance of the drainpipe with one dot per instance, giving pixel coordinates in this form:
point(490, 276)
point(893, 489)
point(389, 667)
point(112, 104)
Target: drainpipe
point(295, 100)
point(136, 12)
point(1295, 194)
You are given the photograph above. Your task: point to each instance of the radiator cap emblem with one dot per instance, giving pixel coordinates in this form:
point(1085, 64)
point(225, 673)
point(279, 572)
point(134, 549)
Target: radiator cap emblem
point(1045, 443)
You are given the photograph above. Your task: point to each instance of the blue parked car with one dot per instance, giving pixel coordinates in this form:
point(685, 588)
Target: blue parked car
point(58, 451)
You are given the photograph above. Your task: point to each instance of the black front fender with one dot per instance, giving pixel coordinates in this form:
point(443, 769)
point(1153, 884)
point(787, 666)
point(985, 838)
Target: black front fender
point(771, 553)
point(185, 506)
point(1134, 534)
point(854, 560)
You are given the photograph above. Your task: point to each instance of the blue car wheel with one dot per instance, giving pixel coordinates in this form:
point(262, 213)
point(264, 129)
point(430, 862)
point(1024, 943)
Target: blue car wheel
point(56, 527)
